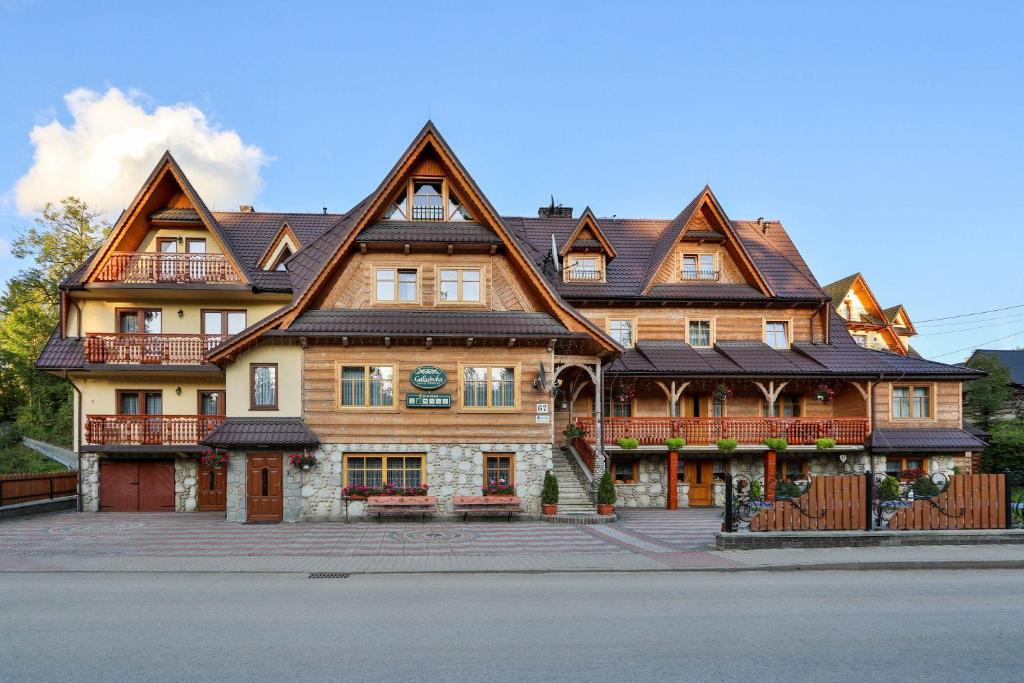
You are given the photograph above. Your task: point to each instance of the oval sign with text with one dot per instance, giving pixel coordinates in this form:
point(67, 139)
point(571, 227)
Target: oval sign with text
point(428, 377)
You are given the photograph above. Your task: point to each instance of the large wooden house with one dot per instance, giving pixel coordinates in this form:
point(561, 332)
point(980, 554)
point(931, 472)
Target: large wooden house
point(422, 337)
point(873, 327)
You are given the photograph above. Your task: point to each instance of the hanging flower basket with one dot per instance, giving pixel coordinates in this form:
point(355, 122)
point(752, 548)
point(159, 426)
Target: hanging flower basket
point(573, 431)
point(215, 458)
point(302, 461)
point(825, 393)
point(625, 392)
point(721, 393)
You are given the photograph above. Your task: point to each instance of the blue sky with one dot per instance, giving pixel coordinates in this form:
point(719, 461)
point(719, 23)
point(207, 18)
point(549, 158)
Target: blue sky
point(886, 136)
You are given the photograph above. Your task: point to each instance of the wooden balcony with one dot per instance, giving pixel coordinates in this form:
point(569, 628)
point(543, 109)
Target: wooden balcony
point(699, 431)
point(149, 349)
point(132, 267)
point(148, 430)
point(584, 275)
point(700, 275)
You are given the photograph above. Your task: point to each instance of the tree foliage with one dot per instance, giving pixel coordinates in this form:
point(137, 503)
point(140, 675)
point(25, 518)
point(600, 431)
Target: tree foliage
point(986, 397)
point(63, 236)
point(1005, 449)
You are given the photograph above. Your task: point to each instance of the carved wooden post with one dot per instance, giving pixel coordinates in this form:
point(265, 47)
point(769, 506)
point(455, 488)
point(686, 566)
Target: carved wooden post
point(599, 461)
point(673, 474)
point(769, 475)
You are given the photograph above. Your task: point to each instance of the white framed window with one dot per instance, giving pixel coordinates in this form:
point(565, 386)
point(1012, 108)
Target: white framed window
point(584, 268)
point(460, 286)
point(776, 334)
point(698, 333)
point(396, 285)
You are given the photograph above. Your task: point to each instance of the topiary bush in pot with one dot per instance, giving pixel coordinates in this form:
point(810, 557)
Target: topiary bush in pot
point(606, 494)
point(549, 494)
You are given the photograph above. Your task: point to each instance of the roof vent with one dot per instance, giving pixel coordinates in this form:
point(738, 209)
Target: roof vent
point(325, 210)
point(246, 208)
point(553, 211)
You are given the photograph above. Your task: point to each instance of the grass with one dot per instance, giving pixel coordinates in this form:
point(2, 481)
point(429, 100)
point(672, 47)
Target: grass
point(19, 458)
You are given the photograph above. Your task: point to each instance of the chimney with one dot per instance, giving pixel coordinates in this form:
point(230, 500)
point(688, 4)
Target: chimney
point(763, 224)
point(246, 208)
point(552, 211)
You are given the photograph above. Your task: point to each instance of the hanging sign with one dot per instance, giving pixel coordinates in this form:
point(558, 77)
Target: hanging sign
point(428, 400)
point(428, 377)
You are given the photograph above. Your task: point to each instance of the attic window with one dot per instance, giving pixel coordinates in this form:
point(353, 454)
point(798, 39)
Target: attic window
point(584, 268)
point(699, 267)
point(428, 200)
point(278, 264)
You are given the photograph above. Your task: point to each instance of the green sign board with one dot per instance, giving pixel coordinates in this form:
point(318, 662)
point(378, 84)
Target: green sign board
point(428, 400)
point(428, 377)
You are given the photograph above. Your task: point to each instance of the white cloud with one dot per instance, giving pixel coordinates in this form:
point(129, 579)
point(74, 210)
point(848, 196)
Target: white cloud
point(113, 142)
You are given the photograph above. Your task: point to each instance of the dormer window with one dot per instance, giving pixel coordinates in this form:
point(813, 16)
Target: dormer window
point(699, 267)
point(284, 256)
point(427, 200)
point(584, 268)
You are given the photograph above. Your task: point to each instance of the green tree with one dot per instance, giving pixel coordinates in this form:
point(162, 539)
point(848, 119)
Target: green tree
point(1005, 449)
point(63, 236)
point(984, 398)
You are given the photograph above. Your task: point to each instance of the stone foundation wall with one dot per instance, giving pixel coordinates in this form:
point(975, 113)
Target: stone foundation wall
point(186, 473)
point(652, 488)
point(90, 482)
point(235, 484)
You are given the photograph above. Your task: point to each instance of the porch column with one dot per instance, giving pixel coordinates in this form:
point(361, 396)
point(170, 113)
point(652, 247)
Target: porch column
point(673, 475)
point(769, 475)
point(599, 461)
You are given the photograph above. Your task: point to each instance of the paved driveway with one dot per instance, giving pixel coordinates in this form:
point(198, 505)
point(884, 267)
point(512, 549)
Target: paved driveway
point(208, 535)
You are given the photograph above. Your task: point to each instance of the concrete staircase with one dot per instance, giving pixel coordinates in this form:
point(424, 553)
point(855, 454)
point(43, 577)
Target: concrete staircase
point(573, 489)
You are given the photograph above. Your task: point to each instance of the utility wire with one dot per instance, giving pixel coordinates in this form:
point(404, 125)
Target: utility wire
point(978, 346)
point(965, 315)
point(964, 330)
point(1012, 316)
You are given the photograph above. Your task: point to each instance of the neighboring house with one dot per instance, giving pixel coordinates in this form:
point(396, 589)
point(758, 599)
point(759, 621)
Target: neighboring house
point(872, 327)
point(1013, 360)
point(421, 337)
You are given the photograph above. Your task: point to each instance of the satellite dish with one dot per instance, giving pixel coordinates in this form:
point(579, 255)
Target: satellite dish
point(554, 252)
point(542, 378)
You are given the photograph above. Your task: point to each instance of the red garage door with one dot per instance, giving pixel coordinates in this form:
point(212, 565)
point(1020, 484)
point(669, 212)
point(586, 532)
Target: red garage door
point(136, 486)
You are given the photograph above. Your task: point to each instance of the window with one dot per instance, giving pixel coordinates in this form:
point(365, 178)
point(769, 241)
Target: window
point(625, 472)
point(429, 200)
point(776, 334)
point(223, 322)
point(616, 407)
point(860, 339)
point(719, 470)
point(399, 470)
point(699, 267)
point(499, 469)
point(135, 402)
point(787, 405)
point(911, 402)
point(263, 386)
point(621, 331)
point(398, 285)
point(699, 333)
point(459, 285)
point(278, 263)
point(584, 269)
point(211, 402)
point(790, 468)
point(489, 387)
point(195, 245)
point(427, 196)
point(139, 321)
point(367, 386)
point(895, 466)
point(717, 408)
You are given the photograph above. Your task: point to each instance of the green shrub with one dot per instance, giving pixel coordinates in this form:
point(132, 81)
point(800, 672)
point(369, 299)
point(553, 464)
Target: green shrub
point(889, 489)
point(606, 490)
point(628, 443)
point(786, 488)
point(924, 487)
point(674, 443)
point(9, 435)
point(1005, 449)
point(756, 490)
point(776, 443)
point(825, 444)
point(727, 445)
point(549, 494)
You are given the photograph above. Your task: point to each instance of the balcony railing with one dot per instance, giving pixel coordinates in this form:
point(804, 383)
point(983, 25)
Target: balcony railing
point(798, 431)
point(149, 349)
point(584, 275)
point(148, 430)
point(701, 274)
point(133, 267)
point(431, 214)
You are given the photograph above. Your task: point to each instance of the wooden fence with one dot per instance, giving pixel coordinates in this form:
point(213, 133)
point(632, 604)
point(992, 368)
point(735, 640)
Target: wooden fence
point(971, 501)
point(21, 488)
point(831, 503)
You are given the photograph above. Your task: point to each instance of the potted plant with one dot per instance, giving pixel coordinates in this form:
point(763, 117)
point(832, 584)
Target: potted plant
point(826, 393)
point(727, 445)
point(825, 444)
point(925, 487)
point(573, 431)
point(674, 443)
point(606, 495)
point(628, 443)
point(302, 461)
point(361, 491)
point(721, 393)
point(889, 489)
point(776, 443)
point(499, 487)
point(215, 458)
point(549, 494)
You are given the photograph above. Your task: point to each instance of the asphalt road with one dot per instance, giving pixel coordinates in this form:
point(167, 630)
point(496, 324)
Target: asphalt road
point(814, 626)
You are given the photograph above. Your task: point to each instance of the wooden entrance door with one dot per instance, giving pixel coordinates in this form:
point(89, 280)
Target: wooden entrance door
point(264, 498)
point(700, 476)
point(136, 486)
point(213, 488)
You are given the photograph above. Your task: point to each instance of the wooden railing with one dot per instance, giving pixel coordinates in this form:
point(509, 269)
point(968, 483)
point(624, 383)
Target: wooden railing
point(149, 430)
point(154, 267)
point(584, 275)
point(702, 274)
point(586, 453)
point(797, 431)
point(149, 349)
point(21, 488)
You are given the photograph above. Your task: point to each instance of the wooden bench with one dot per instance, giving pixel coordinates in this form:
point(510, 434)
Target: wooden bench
point(394, 506)
point(487, 505)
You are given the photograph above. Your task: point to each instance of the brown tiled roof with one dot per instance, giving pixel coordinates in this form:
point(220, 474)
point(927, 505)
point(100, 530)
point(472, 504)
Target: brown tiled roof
point(420, 233)
point(838, 290)
point(261, 432)
point(587, 244)
point(61, 354)
point(182, 215)
point(934, 439)
point(376, 323)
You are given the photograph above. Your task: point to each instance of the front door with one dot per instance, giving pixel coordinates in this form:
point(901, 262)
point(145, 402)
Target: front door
point(213, 491)
point(264, 499)
point(699, 475)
